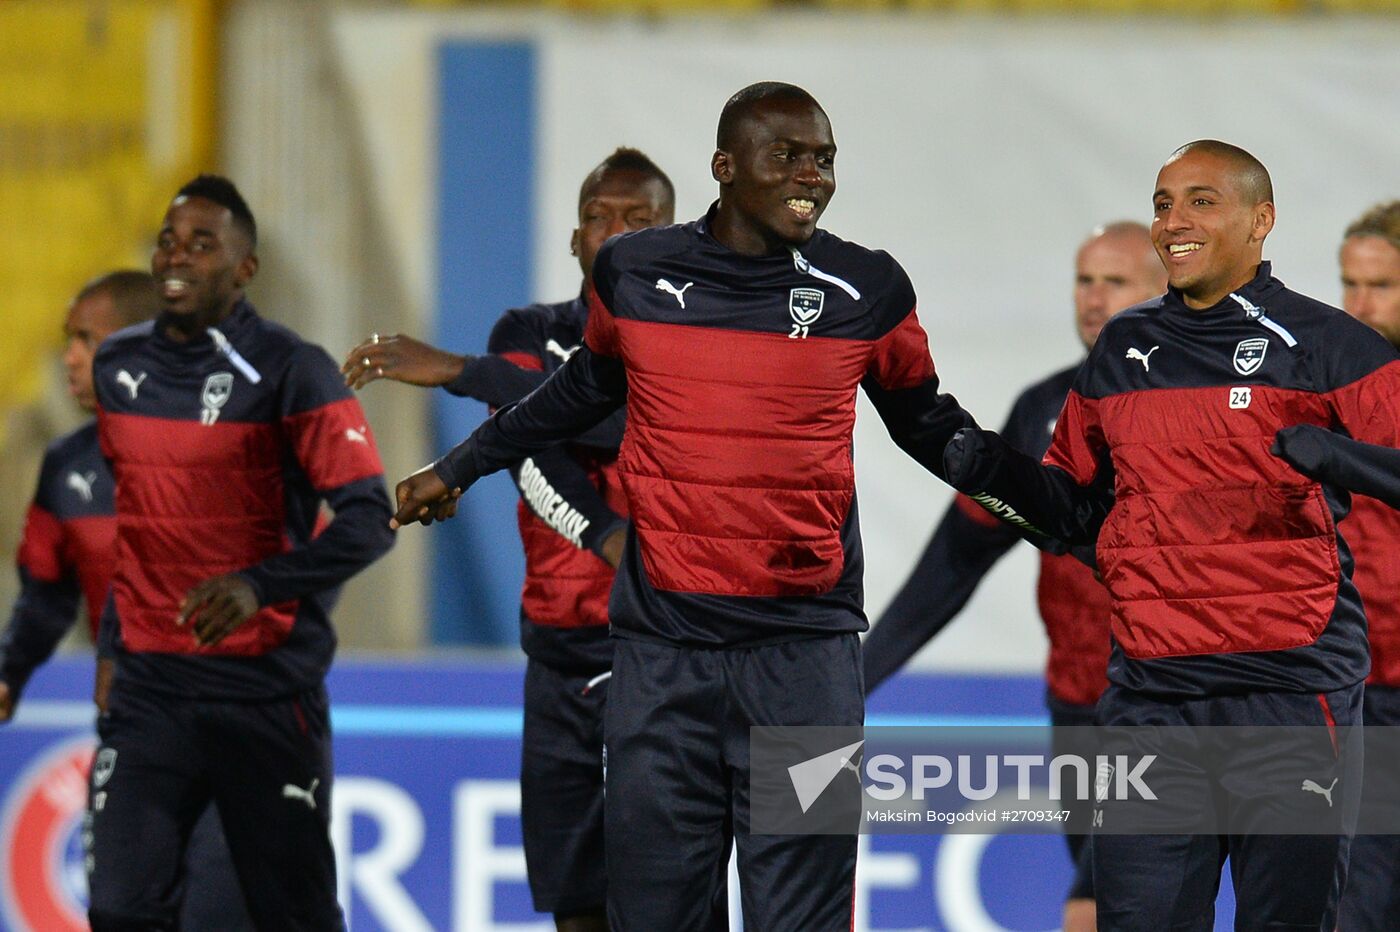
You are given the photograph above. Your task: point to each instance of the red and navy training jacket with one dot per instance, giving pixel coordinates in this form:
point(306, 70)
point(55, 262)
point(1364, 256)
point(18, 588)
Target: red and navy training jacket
point(1372, 474)
point(223, 449)
point(740, 375)
point(1225, 565)
point(1373, 531)
point(66, 551)
point(965, 546)
point(570, 496)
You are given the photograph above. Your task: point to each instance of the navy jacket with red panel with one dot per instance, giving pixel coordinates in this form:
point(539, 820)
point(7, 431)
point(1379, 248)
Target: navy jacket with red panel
point(1372, 474)
point(1225, 565)
point(223, 449)
point(740, 375)
point(1373, 531)
point(967, 543)
point(66, 551)
point(570, 496)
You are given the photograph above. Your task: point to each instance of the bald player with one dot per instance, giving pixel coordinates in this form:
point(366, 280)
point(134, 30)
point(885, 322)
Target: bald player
point(1230, 583)
point(1115, 268)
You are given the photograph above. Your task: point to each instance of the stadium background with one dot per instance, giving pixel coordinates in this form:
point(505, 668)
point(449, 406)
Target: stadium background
point(414, 167)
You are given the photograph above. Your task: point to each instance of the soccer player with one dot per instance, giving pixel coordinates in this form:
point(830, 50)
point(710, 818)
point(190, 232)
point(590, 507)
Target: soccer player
point(1115, 268)
point(68, 551)
point(225, 433)
point(737, 342)
point(572, 524)
point(1370, 261)
point(1231, 589)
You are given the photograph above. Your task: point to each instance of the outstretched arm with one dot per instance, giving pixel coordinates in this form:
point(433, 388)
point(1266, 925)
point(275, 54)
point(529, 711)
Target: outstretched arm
point(495, 378)
point(578, 395)
point(1044, 503)
point(920, 419)
point(1363, 468)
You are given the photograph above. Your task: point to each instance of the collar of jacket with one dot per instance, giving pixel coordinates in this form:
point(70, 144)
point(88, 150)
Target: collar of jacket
point(1257, 291)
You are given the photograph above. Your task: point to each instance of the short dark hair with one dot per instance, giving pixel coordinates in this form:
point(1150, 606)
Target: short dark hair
point(133, 294)
point(625, 158)
point(1250, 172)
point(1383, 220)
point(223, 192)
point(743, 103)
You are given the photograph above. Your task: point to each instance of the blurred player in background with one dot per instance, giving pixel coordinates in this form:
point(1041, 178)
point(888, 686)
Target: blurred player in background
point(1231, 589)
point(226, 433)
point(737, 342)
point(1370, 260)
point(69, 543)
point(1115, 268)
point(573, 522)
point(68, 551)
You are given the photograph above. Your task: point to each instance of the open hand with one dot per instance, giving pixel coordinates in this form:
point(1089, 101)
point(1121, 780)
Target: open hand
point(402, 359)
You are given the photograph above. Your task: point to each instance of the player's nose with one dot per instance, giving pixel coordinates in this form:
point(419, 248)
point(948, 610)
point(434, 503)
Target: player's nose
point(1360, 305)
point(805, 172)
point(617, 225)
point(1174, 218)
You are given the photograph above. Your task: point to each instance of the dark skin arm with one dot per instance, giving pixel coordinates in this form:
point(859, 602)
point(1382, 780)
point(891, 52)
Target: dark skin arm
point(216, 607)
point(423, 497)
point(402, 359)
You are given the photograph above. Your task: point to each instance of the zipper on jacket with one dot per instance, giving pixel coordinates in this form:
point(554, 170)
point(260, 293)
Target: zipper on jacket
point(807, 268)
point(226, 349)
point(1254, 312)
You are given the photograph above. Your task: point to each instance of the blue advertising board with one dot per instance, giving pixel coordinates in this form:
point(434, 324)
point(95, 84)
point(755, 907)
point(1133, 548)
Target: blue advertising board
point(426, 806)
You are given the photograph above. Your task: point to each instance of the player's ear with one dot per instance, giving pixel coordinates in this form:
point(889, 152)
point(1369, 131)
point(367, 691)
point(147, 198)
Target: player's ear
point(246, 270)
point(1263, 222)
point(573, 242)
point(721, 167)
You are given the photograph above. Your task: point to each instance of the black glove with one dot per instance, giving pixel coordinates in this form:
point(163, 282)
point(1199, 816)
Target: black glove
point(971, 459)
point(1305, 447)
point(1041, 502)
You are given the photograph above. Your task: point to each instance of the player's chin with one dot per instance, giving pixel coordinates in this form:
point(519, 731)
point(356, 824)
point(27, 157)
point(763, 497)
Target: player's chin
point(183, 304)
point(1182, 281)
point(797, 234)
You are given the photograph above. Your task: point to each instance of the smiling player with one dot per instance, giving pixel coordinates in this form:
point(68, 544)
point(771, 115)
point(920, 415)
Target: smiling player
point(738, 342)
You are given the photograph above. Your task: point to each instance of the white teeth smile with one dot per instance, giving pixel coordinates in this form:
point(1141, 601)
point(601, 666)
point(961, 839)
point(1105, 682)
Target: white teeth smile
point(1181, 249)
point(802, 206)
point(174, 287)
